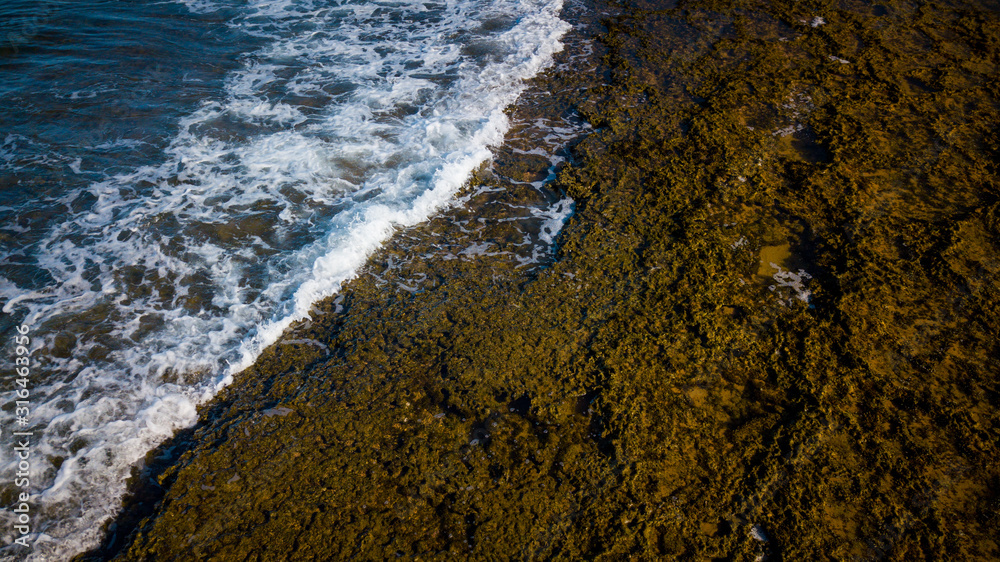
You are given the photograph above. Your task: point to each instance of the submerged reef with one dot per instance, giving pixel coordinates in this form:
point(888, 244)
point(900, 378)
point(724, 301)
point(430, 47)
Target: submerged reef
point(767, 332)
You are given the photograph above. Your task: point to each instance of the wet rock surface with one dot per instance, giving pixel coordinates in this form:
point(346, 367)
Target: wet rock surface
point(767, 332)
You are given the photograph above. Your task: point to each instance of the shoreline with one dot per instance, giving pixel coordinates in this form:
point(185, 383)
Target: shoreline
point(754, 339)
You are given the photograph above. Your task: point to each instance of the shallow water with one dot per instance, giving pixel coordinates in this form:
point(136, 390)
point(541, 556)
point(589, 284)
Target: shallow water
point(180, 181)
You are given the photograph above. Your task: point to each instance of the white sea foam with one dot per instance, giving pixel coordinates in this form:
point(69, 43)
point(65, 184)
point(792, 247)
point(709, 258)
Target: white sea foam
point(554, 218)
point(355, 120)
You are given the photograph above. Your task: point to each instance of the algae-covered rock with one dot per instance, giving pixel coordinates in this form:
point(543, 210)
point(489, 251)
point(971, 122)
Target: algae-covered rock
point(769, 331)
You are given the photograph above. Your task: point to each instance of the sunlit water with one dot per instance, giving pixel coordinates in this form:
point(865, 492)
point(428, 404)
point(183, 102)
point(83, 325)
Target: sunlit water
point(180, 181)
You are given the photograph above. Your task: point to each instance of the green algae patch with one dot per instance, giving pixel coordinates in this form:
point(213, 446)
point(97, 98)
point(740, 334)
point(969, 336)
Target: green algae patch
point(658, 389)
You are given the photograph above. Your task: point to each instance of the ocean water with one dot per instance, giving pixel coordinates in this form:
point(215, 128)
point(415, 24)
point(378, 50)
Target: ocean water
point(180, 180)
